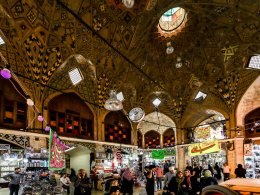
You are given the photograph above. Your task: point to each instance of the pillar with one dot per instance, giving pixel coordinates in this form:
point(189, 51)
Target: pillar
point(143, 141)
point(37, 143)
point(181, 162)
point(161, 140)
point(134, 134)
point(231, 124)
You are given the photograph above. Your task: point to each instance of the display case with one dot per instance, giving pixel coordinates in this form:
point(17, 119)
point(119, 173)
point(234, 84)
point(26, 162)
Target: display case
point(256, 154)
point(249, 166)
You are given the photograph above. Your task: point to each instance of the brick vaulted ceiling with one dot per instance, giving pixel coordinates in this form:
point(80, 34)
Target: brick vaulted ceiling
point(42, 36)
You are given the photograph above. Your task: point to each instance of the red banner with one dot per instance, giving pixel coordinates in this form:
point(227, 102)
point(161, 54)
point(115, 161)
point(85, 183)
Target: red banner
point(56, 152)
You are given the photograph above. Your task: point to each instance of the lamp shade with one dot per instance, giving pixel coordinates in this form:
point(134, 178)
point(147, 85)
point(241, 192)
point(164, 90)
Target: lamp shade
point(113, 104)
point(40, 118)
point(6, 73)
point(47, 128)
point(29, 102)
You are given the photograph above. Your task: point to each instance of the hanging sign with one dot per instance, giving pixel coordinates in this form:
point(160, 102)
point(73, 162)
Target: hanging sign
point(157, 154)
point(56, 152)
point(171, 152)
point(203, 132)
point(204, 148)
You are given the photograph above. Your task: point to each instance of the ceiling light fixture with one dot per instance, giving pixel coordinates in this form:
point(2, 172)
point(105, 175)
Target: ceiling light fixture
point(128, 3)
point(178, 63)
point(5, 72)
point(113, 104)
point(169, 49)
point(200, 96)
point(47, 128)
point(29, 101)
point(40, 117)
point(156, 102)
point(120, 96)
point(75, 76)
point(253, 62)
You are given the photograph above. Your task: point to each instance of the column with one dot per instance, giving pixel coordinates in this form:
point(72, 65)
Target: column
point(143, 141)
point(180, 152)
point(239, 150)
point(231, 124)
point(161, 140)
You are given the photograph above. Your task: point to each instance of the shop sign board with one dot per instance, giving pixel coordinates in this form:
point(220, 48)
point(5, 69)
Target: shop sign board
point(203, 132)
point(157, 154)
point(171, 152)
point(204, 148)
point(4, 146)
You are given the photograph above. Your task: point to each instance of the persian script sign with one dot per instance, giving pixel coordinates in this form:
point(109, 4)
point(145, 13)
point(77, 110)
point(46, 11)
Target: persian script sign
point(204, 148)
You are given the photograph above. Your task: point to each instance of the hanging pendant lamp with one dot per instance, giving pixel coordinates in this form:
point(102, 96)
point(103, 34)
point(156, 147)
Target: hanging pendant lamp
point(113, 104)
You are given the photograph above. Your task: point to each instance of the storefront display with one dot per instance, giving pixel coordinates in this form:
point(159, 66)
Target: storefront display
point(252, 160)
point(9, 160)
point(160, 157)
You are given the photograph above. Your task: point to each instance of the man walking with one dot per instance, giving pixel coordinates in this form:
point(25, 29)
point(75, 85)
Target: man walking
point(14, 179)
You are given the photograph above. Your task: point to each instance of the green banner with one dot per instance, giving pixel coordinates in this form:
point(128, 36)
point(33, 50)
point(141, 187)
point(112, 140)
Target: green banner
point(169, 152)
point(157, 154)
point(203, 148)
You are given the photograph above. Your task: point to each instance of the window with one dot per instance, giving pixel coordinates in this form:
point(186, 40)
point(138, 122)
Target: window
point(75, 76)
point(172, 19)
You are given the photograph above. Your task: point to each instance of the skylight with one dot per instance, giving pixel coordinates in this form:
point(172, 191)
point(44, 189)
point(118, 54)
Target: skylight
point(120, 96)
point(75, 76)
point(200, 96)
point(2, 41)
point(172, 19)
point(156, 102)
point(254, 62)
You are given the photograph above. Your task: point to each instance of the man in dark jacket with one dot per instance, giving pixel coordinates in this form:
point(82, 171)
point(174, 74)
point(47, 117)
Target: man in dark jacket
point(14, 179)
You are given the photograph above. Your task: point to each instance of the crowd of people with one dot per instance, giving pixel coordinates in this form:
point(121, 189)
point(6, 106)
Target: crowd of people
point(191, 181)
point(172, 181)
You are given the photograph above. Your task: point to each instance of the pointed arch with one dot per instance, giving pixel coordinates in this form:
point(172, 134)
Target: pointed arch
point(249, 101)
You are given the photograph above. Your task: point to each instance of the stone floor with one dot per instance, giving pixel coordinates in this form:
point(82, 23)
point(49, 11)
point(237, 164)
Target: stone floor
point(137, 191)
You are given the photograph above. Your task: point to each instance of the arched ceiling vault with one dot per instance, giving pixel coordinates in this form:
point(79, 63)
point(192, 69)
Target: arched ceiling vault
point(156, 121)
point(42, 35)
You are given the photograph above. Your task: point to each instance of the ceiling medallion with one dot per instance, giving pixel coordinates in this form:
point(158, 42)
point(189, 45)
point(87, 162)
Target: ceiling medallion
point(128, 3)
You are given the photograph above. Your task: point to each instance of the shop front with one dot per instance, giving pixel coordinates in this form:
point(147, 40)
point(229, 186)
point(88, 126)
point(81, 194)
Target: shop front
point(207, 153)
point(252, 160)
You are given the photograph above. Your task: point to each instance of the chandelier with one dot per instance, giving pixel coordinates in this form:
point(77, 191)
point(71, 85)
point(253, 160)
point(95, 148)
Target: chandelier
point(113, 104)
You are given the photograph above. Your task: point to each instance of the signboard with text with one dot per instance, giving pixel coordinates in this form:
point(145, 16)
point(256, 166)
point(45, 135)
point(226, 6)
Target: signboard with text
point(204, 148)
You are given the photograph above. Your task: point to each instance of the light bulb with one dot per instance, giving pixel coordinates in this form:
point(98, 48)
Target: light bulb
point(40, 118)
point(29, 101)
point(47, 128)
point(5, 73)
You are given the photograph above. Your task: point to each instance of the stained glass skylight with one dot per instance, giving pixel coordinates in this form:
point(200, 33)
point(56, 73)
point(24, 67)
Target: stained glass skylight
point(172, 19)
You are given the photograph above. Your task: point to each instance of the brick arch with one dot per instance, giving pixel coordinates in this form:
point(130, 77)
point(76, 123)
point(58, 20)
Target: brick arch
point(55, 94)
point(249, 102)
point(118, 128)
point(152, 139)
